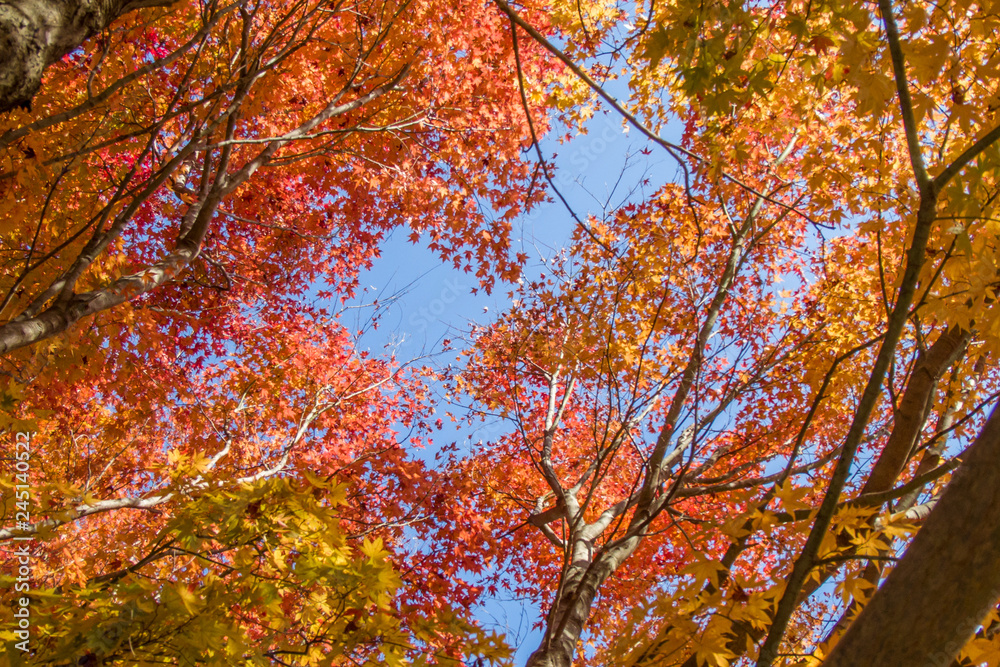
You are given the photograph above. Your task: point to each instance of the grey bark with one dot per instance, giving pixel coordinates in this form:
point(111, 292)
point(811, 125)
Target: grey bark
point(949, 579)
point(570, 612)
point(37, 33)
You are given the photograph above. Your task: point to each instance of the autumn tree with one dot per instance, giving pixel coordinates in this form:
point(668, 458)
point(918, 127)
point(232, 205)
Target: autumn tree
point(756, 381)
point(216, 469)
point(177, 114)
point(729, 396)
point(256, 514)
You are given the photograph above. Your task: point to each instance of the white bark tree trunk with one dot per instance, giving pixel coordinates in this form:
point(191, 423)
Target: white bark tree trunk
point(571, 610)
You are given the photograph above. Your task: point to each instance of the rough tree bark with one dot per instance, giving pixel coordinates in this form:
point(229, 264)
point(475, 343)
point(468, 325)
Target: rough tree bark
point(37, 33)
point(570, 612)
point(947, 581)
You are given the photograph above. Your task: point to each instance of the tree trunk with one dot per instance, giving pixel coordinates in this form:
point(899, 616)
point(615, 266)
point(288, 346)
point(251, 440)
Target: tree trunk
point(909, 420)
point(37, 33)
point(949, 579)
point(570, 613)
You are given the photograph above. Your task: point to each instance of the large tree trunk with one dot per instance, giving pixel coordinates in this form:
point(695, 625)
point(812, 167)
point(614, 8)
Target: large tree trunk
point(570, 612)
point(948, 580)
point(36, 33)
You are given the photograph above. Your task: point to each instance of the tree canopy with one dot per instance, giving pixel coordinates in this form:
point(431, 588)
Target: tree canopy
point(748, 414)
